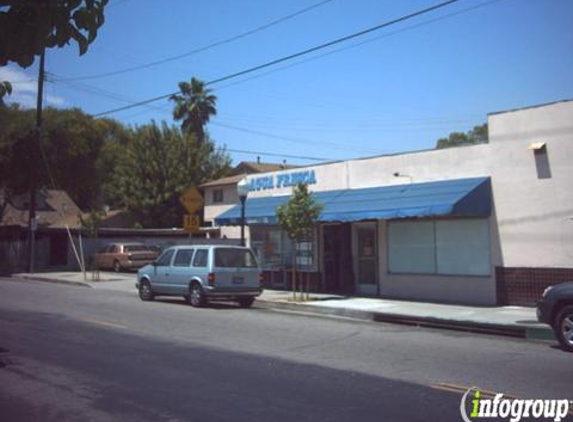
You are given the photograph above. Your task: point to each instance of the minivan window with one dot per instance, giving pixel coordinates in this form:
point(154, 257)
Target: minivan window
point(183, 258)
point(234, 258)
point(200, 259)
point(165, 259)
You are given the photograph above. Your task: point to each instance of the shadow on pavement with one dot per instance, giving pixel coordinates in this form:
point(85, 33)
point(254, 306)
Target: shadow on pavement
point(142, 378)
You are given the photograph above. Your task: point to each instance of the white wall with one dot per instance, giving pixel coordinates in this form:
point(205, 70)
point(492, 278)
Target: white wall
point(532, 222)
point(534, 215)
point(230, 199)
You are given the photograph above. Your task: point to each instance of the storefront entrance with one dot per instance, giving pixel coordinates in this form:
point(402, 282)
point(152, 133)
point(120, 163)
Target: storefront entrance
point(337, 258)
point(366, 265)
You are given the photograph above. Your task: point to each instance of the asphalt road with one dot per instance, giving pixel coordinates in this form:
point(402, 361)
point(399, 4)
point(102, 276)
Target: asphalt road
point(72, 353)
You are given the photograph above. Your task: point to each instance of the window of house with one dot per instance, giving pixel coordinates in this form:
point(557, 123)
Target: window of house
point(445, 247)
point(183, 258)
point(217, 195)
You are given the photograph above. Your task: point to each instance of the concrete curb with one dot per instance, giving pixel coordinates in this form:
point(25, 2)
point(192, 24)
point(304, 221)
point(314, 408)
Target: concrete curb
point(516, 331)
point(507, 330)
point(51, 280)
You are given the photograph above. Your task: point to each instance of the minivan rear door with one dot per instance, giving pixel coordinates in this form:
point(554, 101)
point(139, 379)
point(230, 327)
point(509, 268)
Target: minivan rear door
point(235, 268)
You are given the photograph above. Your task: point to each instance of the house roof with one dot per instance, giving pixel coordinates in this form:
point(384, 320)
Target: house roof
point(258, 167)
point(230, 180)
point(530, 107)
point(247, 167)
point(55, 208)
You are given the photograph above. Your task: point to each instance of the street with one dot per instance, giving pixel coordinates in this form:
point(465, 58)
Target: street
point(71, 353)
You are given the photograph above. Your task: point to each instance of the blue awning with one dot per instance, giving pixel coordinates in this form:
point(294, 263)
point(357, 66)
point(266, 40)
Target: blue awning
point(459, 197)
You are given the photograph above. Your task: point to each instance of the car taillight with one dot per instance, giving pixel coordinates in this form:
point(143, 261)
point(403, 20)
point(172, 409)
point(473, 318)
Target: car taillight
point(211, 278)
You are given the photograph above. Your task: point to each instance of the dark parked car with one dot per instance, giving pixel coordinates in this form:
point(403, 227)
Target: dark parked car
point(556, 309)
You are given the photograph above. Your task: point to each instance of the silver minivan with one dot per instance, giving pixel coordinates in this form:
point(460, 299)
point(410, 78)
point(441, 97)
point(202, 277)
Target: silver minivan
point(202, 272)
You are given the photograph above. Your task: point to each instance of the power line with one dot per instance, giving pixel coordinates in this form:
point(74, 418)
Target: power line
point(338, 50)
point(200, 49)
point(93, 90)
point(271, 154)
point(292, 56)
point(284, 138)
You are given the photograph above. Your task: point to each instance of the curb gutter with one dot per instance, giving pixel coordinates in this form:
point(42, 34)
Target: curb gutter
point(529, 333)
point(51, 280)
point(525, 332)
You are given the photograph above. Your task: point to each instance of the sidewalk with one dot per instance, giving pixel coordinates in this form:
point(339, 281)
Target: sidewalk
point(506, 320)
point(107, 280)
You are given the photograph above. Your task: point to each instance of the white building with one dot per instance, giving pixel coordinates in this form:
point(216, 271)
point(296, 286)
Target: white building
point(485, 224)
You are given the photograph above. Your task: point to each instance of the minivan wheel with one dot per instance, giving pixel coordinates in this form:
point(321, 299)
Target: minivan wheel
point(145, 292)
point(116, 266)
point(246, 302)
point(564, 328)
point(197, 296)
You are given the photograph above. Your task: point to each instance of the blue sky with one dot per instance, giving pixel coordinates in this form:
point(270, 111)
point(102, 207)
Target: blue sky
point(400, 89)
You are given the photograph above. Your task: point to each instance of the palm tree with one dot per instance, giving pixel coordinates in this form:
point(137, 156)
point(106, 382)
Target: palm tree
point(195, 105)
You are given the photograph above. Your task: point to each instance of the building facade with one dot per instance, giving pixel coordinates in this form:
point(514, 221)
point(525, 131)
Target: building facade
point(221, 195)
point(485, 224)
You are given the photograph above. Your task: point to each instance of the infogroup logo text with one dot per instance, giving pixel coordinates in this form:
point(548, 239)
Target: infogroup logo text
point(510, 408)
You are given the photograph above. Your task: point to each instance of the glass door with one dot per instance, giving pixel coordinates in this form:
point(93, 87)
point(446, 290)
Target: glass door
point(366, 259)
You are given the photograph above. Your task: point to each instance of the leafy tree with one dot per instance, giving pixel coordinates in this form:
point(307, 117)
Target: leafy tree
point(478, 135)
point(297, 218)
point(29, 26)
point(72, 154)
point(15, 145)
point(158, 165)
point(194, 106)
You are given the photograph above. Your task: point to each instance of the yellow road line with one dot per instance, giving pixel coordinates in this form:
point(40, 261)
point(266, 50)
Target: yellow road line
point(456, 388)
point(104, 323)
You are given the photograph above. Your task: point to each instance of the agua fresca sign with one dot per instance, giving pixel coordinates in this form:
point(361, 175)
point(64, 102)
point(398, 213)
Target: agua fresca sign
point(276, 181)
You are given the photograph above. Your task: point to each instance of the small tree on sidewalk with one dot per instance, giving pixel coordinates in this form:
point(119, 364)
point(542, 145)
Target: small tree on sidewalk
point(91, 224)
point(297, 218)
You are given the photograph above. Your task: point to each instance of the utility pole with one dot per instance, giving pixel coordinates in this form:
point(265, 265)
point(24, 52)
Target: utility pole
point(32, 222)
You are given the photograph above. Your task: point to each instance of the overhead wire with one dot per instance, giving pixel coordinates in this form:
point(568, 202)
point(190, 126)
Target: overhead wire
point(293, 56)
point(398, 31)
point(93, 90)
point(204, 48)
point(271, 154)
point(289, 139)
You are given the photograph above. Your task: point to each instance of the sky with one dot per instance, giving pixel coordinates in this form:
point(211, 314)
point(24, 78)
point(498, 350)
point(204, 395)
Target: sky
point(395, 90)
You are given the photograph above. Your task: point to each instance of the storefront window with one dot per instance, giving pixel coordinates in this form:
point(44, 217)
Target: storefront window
point(305, 253)
point(446, 247)
point(411, 247)
point(275, 249)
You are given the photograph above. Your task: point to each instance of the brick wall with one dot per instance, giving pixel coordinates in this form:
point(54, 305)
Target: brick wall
point(524, 286)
